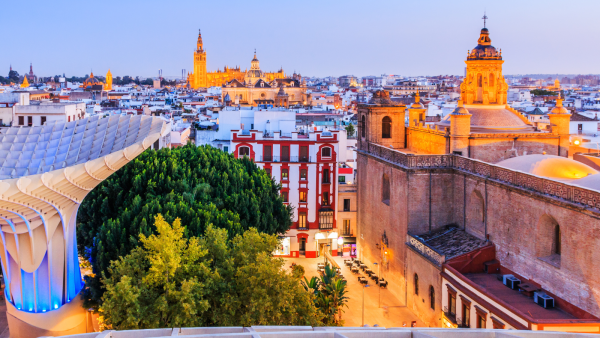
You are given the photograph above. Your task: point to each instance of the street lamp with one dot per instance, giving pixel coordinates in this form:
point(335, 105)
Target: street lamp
point(379, 276)
point(363, 306)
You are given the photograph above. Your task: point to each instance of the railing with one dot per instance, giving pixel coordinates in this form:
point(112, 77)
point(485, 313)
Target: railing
point(425, 250)
point(451, 316)
point(325, 226)
point(294, 159)
point(547, 187)
point(462, 323)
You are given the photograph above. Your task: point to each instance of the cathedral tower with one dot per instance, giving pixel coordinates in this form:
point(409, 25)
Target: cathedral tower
point(484, 82)
point(109, 79)
point(199, 76)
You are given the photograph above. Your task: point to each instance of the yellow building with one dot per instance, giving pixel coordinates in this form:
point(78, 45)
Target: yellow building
point(25, 83)
point(109, 80)
point(200, 78)
point(484, 82)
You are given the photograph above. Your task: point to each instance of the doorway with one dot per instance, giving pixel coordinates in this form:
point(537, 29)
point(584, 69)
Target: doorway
point(302, 246)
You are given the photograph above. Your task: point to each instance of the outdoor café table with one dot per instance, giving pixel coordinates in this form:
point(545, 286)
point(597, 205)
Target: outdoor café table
point(382, 283)
point(363, 266)
point(348, 263)
point(363, 280)
point(368, 271)
point(320, 264)
point(354, 269)
point(375, 278)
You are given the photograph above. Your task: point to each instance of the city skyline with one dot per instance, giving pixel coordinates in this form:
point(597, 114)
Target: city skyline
point(316, 39)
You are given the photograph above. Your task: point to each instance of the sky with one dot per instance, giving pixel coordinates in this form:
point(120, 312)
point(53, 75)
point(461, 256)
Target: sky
point(313, 38)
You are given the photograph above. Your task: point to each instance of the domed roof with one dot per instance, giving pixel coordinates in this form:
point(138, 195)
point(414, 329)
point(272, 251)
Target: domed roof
point(460, 110)
point(559, 109)
point(490, 119)
point(557, 167)
point(590, 182)
point(417, 104)
point(484, 49)
point(91, 81)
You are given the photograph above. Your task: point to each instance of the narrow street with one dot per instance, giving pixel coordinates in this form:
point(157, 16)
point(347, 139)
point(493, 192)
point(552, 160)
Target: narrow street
point(392, 312)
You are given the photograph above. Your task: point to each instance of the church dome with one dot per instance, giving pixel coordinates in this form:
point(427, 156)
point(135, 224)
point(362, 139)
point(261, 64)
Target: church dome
point(559, 109)
point(92, 81)
point(484, 49)
point(556, 167)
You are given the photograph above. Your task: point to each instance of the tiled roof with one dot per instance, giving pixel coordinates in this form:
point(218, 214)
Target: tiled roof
point(452, 242)
point(581, 118)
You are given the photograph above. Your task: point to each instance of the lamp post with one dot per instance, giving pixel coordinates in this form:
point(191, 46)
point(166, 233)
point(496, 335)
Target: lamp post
point(379, 276)
point(363, 306)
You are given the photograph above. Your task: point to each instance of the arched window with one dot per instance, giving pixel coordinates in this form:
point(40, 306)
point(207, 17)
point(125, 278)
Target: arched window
point(416, 284)
point(385, 189)
point(326, 152)
point(386, 128)
point(491, 79)
point(363, 126)
point(479, 81)
point(244, 151)
point(549, 242)
point(432, 297)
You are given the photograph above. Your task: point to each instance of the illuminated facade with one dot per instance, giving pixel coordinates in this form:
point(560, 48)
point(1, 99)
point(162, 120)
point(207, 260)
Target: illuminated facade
point(45, 174)
point(109, 80)
point(200, 78)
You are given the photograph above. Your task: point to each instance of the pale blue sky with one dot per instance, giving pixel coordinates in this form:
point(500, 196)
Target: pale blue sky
point(318, 38)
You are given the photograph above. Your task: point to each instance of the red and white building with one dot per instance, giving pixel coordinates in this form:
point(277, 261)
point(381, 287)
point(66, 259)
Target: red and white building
point(306, 165)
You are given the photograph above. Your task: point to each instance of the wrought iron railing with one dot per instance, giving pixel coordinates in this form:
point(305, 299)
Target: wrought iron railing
point(425, 250)
point(547, 187)
point(451, 316)
point(294, 159)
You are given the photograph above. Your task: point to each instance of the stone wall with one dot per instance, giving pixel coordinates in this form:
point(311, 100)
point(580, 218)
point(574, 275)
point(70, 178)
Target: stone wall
point(428, 192)
point(427, 141)
point(428, 276)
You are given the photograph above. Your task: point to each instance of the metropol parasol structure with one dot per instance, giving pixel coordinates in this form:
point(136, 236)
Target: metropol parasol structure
point(45, 173)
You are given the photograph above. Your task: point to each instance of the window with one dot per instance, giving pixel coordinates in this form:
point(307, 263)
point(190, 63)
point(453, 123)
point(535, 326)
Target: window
point(346, 228)
point(326, 152)
point(21, 120)
point(284, 174)
point(325, 198)
point(346, 204)
point(416, 284)
point(557, 240)
point(480, 322)
point(479, 81)
point(326, 176)
point(268, 170)
point(268, 153)
point(69, 119)
point(303, 174)
point(363, 126)
point(451, 304)
point(303, 197)
point(251, 126)
point(385, 189)
point(386, 128)
point(326, 219)
point(303, 154)
point(432, 297)
point(284, 195)
point(466, 314)
point(42, 120)
point(226, 149)
point(491, 79)
point(285, 153)
point(244, 151)
point(342, 179)
point(302, 220)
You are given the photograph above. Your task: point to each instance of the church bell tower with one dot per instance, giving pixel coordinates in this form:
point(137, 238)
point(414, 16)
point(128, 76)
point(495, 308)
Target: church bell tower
point(199, 77)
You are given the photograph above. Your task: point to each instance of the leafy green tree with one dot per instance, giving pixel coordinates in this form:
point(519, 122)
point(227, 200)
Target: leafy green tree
point(543, 92)
point(13, 76)
point(173, 281)
point(350, 130)
point(199, 185)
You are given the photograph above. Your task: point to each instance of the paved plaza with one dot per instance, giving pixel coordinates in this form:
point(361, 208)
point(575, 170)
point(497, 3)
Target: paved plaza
point(392, 313)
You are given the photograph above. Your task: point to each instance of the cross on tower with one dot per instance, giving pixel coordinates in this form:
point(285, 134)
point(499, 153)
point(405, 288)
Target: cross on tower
point(484, 18)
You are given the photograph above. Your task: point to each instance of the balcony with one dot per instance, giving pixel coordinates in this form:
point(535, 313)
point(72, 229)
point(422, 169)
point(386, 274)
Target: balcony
point(285, 159)
point(450, 317)
point(425, 250)
point(326, 219)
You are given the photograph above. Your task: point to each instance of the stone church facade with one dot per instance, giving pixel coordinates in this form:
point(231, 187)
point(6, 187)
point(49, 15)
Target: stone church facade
point(416, 181)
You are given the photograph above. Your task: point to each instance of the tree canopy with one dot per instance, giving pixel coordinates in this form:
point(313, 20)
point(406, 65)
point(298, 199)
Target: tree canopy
point(543, 92)
point(199, 185)
point(214, 280)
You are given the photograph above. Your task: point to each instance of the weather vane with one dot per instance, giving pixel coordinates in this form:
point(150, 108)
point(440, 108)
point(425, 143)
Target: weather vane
point(484, 18)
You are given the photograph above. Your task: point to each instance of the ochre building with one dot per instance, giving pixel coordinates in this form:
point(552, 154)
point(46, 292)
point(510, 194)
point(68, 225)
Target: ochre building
point(200, 78)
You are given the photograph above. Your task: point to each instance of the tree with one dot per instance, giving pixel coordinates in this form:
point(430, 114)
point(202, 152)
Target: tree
point(350, 130)
point(13, 76)
point(199, 185)
point(330, 296)
point(172, 281)
point(543, 92)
